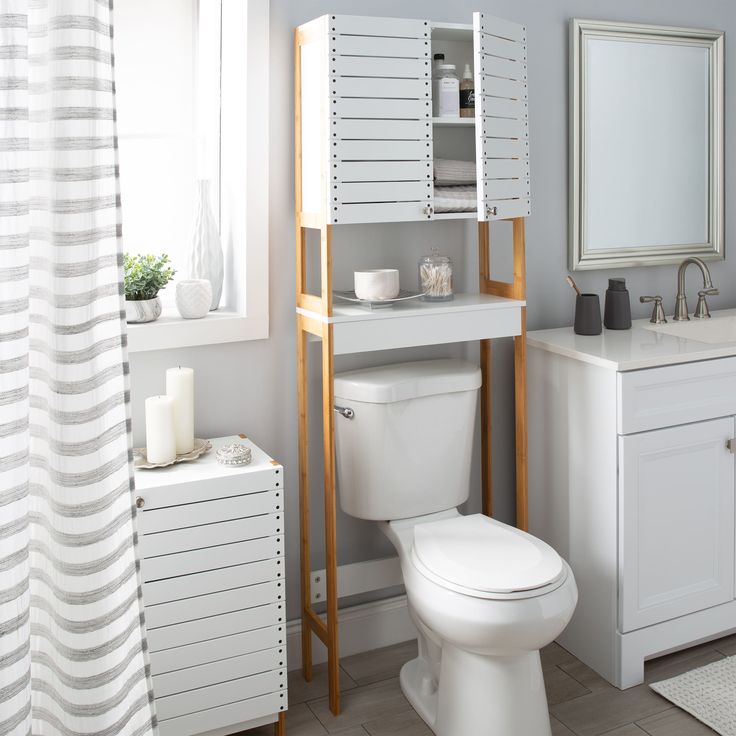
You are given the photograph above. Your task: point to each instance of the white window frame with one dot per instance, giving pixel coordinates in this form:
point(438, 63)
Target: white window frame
point(244, 182)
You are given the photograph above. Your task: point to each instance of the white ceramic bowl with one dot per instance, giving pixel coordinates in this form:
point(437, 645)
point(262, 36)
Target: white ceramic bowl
point(377, 284)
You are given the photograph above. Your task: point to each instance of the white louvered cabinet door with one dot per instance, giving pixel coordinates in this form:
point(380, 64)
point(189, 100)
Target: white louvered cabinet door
point(380, 125)
point(502, 118)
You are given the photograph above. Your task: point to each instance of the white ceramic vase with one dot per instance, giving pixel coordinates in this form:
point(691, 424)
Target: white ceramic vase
point(193, 298)
point(206, 260)
point(142, 310)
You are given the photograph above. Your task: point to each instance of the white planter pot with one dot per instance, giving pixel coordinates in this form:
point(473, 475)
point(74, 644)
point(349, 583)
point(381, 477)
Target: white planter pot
point(193, 298)
point(143, 310)
point(206, 260)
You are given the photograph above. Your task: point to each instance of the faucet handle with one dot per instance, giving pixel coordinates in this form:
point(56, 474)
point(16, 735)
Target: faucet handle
point(658, 317)
point(702, 311)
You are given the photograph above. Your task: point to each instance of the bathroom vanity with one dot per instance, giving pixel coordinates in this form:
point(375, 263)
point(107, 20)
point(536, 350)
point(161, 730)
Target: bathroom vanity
point(631, 479)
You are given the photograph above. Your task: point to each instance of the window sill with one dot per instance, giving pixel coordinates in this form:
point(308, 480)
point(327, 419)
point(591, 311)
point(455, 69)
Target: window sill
point(172, 331)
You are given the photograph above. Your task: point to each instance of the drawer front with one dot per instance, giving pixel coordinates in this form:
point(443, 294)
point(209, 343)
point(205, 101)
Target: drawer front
point(224, 716)
point(676, 394)
point(190, 632)
point(189, 609)
point(214, 650)
point(181, 704)
point(224, 532)
point(212, 673)
point(209, 512)
point(212, 581)
point(199, 560)
point(205, 487)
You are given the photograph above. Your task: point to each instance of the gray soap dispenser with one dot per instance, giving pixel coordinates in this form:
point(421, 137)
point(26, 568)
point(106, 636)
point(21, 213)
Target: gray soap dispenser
point(617, 310)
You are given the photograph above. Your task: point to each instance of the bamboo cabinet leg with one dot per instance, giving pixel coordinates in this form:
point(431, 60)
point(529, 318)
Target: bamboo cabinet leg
point(328, 418)
point(279, 728)
point(305, 569)
point(485, 428)
point(522, 478)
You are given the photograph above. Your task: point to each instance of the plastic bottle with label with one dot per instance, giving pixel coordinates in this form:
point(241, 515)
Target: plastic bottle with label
point(446, 92)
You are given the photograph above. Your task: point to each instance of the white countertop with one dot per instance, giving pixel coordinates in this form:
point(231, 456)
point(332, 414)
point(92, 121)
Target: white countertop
point(628, 350)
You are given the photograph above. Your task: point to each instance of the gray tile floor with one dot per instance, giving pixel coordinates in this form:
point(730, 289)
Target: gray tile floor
point(580, 702)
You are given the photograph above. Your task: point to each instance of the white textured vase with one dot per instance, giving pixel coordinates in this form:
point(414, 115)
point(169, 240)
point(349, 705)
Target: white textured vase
point(206, 260)
point(142, 310)
point(193, 298)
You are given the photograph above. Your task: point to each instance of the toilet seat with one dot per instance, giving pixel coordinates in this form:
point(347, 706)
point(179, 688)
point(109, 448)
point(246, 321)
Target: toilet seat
point(481, 557)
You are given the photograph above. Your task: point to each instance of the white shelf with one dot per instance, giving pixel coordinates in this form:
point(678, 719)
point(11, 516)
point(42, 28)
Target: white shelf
point(455, 216)
point(452, 32)
point(467, 317)
point(453, 122)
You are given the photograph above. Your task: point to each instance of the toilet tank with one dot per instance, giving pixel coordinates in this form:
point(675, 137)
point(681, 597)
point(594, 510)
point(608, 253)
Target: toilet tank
point(407, 449)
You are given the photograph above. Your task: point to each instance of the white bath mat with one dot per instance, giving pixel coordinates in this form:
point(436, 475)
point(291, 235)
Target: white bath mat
point(708, 693)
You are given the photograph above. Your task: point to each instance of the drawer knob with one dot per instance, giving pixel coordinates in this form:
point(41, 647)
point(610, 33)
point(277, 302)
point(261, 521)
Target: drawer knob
point(140, 502)
point(731, 445)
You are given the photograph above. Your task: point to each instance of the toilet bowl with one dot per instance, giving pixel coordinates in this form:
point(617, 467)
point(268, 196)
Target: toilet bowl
point(485, 597)
point(478, 670)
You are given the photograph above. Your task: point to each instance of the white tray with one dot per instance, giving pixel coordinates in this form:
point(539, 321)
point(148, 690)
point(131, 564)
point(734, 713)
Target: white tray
point(404, 296)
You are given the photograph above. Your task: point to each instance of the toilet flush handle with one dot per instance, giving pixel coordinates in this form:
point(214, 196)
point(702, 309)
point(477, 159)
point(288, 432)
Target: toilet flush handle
point(346, 411)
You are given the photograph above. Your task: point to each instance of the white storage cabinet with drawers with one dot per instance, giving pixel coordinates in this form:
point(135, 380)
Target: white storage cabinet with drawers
point(211, 546)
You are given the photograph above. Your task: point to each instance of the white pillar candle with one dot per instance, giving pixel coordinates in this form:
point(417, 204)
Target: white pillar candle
point(180, 387)
point(160, 441)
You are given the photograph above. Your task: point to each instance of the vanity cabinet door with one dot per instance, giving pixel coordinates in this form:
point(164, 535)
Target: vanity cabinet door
point(676, 522)
point(501, 118)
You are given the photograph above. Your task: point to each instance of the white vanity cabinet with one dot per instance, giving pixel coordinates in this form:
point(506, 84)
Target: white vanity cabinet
point(631, 479)
point(364, 91)
point(211, 541)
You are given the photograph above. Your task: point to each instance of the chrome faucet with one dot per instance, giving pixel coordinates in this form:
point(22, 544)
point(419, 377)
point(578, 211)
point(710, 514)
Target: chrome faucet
point(701, 311)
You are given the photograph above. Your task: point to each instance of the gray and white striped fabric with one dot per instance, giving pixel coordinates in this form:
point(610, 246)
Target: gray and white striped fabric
point(73, 657)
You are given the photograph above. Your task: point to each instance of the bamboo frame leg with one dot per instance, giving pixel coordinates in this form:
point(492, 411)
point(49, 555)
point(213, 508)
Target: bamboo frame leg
point(328, 418)
point(486, 420)
point(305, 555)
point(522, 478)
point(279, 728)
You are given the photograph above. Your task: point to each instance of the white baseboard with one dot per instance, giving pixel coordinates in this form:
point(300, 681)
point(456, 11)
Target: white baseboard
point(362, 628)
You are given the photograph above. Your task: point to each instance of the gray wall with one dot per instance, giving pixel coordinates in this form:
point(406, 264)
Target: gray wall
point(250, 387)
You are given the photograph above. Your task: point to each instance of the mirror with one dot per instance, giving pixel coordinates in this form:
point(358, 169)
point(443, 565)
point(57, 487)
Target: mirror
point(646, 159)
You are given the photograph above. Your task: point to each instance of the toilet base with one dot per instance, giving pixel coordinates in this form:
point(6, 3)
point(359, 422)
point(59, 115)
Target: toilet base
point(479, 695)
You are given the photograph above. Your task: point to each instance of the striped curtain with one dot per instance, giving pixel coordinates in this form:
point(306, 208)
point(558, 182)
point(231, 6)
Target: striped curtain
point(73, 657)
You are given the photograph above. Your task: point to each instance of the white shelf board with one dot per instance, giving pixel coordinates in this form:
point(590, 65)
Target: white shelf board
point(455, 216)
point(451, 31)
point(467, 317)
point(453, 122)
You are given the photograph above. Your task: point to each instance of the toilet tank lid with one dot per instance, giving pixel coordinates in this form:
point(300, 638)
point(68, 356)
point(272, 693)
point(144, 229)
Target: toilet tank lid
point(401, 381)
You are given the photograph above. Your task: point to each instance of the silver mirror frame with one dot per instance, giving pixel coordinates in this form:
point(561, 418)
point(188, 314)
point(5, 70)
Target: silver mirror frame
point(582, 258)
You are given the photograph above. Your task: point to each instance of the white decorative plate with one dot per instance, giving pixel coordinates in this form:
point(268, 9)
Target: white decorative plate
point(200, 448)
point(404, 296)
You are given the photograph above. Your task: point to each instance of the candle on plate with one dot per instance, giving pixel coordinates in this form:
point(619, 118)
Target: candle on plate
point(180, 387)
point(160, 440)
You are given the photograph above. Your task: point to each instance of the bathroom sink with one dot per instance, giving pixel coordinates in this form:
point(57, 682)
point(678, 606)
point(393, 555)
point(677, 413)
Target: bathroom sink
point(713, 331)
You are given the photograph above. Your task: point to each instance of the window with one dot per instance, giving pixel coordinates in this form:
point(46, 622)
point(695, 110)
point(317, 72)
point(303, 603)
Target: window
point(183, 84)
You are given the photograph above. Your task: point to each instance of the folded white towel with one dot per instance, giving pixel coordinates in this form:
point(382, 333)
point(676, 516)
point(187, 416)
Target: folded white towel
point(448, 172)
point(455, 199)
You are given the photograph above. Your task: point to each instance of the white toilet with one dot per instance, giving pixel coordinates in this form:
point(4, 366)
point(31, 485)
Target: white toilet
point(485, 597)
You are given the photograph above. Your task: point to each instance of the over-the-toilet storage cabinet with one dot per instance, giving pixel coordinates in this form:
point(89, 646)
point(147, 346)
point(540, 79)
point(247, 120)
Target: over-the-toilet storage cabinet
point(212, 547)
point(631, 478)
point(368, 136)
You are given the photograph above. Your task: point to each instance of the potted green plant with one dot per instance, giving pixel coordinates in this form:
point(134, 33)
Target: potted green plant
point(145, 276)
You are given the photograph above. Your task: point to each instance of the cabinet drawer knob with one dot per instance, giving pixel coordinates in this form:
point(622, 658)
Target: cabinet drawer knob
point(140, 502)
point(731, 445)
